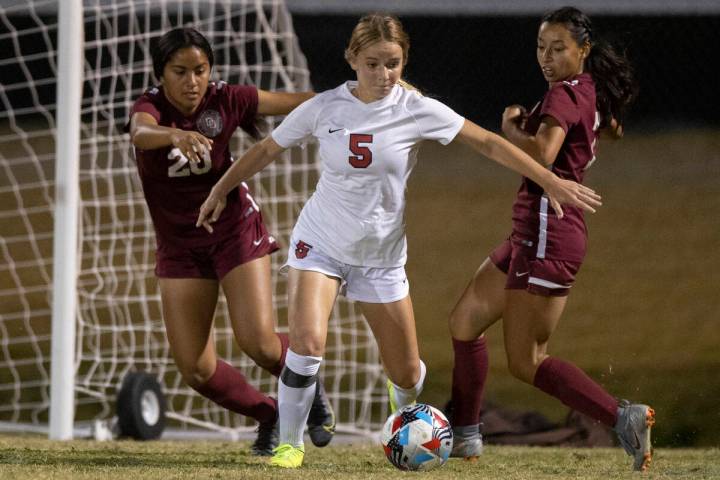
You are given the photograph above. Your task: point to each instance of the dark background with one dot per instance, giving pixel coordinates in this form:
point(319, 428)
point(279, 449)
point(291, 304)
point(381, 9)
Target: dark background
point(479, 65)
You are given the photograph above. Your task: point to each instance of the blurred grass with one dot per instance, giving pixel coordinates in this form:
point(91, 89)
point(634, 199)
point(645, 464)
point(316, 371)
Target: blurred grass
point(33, 457)
point(643, 317)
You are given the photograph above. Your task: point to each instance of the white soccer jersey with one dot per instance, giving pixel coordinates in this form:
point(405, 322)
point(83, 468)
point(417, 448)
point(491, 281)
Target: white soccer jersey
point(367, 151)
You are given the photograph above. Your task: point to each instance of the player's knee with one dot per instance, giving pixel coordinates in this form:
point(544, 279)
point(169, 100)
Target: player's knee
point(308, 344)
point(265, 354)
point(469, 319)
point(196, 375)
point(461, 324)
point(521, 367)
point(457, 322)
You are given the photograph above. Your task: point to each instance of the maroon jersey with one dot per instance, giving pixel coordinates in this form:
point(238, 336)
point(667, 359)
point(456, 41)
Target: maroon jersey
point(572, 104)
point(174, 187)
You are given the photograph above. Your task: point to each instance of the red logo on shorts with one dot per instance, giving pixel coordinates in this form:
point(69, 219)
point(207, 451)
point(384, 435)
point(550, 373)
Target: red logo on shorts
point(302, 249)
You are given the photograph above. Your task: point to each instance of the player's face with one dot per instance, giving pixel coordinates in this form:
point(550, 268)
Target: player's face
point(378, 66)
point(185, 79)
point(559, 55)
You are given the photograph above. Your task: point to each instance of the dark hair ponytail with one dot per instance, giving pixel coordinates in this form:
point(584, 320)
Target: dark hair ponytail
point(614, 81)
point(174, 40)
point(614, 78)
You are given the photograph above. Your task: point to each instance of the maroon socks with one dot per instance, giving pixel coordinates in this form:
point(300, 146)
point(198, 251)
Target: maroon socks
point(574, 388)
point(229, 388)
point(469, 375)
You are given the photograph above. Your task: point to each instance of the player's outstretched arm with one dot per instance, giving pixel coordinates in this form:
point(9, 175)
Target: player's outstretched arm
point(505, 153)
point(254, 160)
point(280, 103)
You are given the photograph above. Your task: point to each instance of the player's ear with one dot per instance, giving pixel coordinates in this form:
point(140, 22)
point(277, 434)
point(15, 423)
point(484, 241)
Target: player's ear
point(351, 59)
point(585, 50)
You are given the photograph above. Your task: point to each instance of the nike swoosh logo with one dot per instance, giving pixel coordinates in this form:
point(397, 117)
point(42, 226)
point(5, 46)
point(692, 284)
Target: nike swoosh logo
point(258, 241)
point(330, 130)
point(518, 274)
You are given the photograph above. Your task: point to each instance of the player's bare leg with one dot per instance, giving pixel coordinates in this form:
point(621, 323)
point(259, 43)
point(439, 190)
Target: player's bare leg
point(311, 299)
point(248, 290)
point(528, 322)
point(481, 304)
point(393, 325)
point(479, 307)
point(188, 310)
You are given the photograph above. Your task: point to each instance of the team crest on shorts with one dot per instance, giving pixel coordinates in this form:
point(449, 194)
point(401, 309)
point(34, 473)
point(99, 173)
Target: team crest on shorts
point(302, 249)
point(210, 123)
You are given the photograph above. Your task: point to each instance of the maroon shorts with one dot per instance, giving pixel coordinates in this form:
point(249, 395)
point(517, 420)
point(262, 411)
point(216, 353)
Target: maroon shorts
point(216, 260)
point(540, 276)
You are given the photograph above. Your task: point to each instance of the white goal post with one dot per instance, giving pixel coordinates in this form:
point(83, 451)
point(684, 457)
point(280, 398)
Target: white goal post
point(101, 319)
point(67, 141)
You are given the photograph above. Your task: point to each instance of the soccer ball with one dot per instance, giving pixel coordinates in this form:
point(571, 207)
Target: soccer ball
point(417, 437)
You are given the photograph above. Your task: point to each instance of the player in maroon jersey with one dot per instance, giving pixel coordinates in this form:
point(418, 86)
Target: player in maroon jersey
point(181, 130)
point(526, 279)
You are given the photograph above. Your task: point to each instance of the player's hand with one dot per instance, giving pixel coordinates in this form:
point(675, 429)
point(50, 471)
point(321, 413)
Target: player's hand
point(194, 145)
point(210, 210)
point(567, 192)
point(514, 116)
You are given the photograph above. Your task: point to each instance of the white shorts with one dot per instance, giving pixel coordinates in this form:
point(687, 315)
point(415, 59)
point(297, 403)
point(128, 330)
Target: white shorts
point(360, 284)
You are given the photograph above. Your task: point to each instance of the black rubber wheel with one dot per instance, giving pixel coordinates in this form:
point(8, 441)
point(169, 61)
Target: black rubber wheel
point(140, 407)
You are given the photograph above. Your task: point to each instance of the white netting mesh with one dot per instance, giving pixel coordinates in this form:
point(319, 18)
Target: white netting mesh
point(119, 326)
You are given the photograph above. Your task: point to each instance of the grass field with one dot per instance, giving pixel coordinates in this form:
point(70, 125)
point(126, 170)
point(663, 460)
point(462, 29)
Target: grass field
point(32, 457)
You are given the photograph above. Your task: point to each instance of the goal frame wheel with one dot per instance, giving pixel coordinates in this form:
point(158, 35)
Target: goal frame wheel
point(140, 407)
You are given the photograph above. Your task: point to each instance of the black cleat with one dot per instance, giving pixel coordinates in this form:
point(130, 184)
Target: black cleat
point(321, 421)
point(267, 439)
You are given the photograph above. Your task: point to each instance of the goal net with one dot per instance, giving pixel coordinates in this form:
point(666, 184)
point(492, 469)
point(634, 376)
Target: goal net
point(119, 328)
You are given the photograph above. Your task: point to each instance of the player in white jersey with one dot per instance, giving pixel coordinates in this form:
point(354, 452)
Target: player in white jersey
point(350, 236)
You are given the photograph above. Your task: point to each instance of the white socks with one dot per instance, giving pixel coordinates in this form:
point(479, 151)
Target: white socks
point(296, 390)
point(406, 396)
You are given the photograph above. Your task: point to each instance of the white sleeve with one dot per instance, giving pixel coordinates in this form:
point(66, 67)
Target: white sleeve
point(298, 126)
point(436, 120)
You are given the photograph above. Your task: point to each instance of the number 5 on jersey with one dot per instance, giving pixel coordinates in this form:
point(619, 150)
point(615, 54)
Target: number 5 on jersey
point(364, 154)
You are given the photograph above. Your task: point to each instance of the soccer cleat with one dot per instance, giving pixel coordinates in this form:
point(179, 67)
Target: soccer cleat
point(391, 394)
point(633, 430)
point(321, 420)
point(393, 398)
point(266, 440)
point(287, 456)
point(468, 449)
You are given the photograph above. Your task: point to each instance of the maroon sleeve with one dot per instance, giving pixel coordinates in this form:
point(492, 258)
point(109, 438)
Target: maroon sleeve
point(143, 104)
point(244, 102)
point(560, 103)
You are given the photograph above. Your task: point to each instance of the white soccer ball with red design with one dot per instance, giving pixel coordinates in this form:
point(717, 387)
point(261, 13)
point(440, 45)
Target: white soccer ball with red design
point(417, 437)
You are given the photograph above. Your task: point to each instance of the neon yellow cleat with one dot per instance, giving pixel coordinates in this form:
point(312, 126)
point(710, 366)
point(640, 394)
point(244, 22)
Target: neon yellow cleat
point(287, 456)
point(391, 393)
